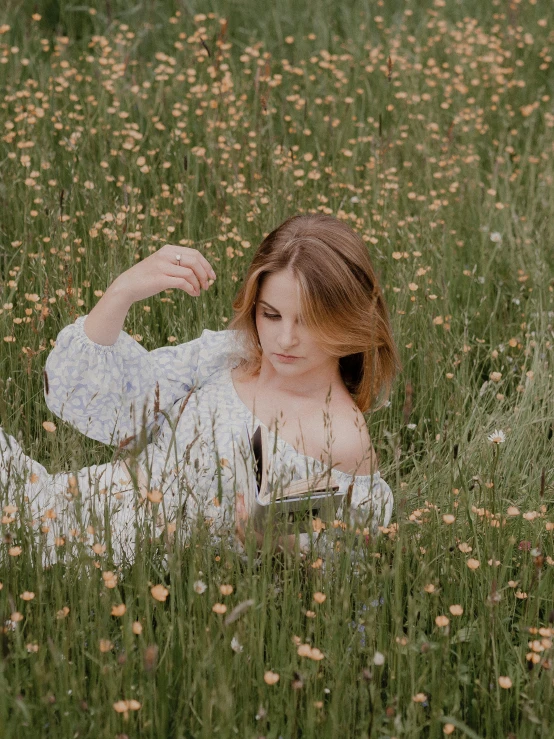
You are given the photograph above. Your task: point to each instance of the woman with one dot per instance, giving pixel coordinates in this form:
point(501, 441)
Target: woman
point(308, 351)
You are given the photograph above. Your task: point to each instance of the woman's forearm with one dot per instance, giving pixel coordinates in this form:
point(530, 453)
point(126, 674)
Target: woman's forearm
point(105, 321)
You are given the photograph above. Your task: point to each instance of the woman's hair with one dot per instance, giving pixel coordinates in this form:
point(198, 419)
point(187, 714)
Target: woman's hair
point(340, 298)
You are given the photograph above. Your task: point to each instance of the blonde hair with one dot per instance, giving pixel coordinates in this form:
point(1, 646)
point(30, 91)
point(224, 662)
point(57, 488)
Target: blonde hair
point(340, 298)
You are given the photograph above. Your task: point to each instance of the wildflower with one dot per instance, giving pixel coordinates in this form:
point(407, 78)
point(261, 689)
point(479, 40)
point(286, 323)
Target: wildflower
point(219, 608)
point(495, 376)
point(62, 613)
point(456, 610)
point(226, 589)
point(448, 518)
point(378, 658)
point(320, 597)
point(236, 646)
point(429, 588)
point(504, 682)
point(199, 587)
point(442, 620)
point(271, 677)
point(16, 616)
point(27, 595)
point(105, 645)
point(497, 437)
point(159, 593)
point(14, 551)
point(305, 650)
point(137, 628)
point(496, 237)
point(448, 729)
point(119, 610)
point(473, 564)
point(49, 426)
point(110, 580)
point(419, 698)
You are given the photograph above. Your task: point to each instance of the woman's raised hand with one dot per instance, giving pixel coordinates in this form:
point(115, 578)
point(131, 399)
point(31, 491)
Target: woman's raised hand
point(161, 270)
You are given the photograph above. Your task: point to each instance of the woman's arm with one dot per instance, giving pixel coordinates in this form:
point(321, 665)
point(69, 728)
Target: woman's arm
point(105, 321)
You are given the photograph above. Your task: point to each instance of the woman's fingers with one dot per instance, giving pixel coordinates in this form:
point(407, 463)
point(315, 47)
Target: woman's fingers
point(192, 259)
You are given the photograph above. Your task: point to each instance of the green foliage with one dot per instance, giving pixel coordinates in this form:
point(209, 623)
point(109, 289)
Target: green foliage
point(429, 128)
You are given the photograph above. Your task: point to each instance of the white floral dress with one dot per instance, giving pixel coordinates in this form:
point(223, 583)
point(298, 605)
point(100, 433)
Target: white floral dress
point(191, 454)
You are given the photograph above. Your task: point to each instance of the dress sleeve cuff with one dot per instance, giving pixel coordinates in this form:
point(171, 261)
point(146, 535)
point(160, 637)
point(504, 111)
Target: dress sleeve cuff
point(82, 338)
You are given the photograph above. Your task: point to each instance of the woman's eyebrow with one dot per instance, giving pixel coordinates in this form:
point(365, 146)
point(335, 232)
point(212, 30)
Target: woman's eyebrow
point(269, 306)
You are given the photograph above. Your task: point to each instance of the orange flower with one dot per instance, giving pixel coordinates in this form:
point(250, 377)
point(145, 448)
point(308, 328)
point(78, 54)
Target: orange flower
point(119, 610)
point(159, 593)
point(271, 677)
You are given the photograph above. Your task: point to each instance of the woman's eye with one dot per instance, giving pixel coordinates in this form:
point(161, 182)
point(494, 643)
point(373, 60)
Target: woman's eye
point(270, 315)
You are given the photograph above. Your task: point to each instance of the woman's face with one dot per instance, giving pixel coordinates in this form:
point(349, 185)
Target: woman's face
point(281, 331)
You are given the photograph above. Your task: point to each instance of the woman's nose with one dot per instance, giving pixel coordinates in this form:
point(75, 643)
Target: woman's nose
point(288, 337)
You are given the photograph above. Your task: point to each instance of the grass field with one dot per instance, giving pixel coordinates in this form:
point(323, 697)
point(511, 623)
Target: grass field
point(429, 128)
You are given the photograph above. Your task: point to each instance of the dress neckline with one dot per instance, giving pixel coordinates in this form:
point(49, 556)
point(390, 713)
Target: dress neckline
point(228, 370)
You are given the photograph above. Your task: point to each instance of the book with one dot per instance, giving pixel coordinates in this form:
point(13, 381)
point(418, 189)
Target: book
point(291, 507)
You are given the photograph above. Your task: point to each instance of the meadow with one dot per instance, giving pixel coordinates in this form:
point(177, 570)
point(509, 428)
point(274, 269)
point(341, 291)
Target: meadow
point(429, 127)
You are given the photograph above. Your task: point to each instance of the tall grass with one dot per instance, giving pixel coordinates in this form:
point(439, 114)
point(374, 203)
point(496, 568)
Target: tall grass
point(429, 128)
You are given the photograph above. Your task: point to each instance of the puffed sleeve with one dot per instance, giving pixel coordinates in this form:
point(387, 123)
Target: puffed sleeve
point(102, 390)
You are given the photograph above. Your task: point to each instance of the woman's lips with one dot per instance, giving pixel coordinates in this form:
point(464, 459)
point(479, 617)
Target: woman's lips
point(286, 356)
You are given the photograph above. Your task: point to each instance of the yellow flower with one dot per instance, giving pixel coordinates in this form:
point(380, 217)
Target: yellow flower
point(271, 677)
point(159, 593)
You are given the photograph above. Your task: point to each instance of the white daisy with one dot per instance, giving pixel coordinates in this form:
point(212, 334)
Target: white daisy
point(497, 437)
point(200, 587)
point(236, 646)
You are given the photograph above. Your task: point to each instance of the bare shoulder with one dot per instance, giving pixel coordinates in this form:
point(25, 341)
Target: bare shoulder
point(353, 450)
